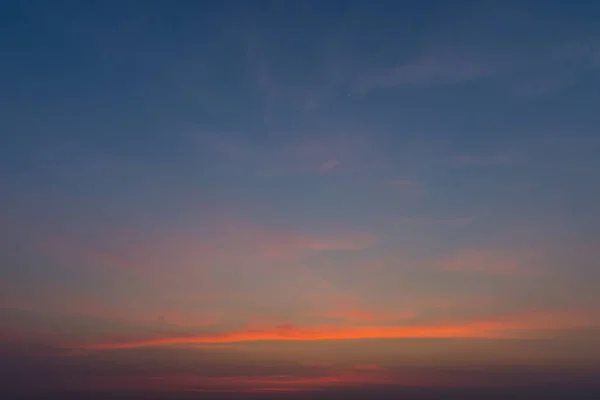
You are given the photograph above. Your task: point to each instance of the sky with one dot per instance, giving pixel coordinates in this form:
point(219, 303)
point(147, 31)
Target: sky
point(246, 197)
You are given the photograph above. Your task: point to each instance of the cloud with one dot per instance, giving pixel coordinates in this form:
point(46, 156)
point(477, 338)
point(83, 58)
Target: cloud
point(512, 326)
point(329, 164)
point(308, 154)
point(485, 159)
point(407, 186)
point(189, 275)
point(189, 370)
point(224, 237)
point(473, 47)
point(429, 220)
point(429, 70)
point(289, 380)
point(281, 244)
point(490, 261)
point(368, 367)
point(402, 182)
point(357, 313)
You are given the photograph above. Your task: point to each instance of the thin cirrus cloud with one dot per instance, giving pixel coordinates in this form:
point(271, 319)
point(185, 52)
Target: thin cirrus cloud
point(402, 182)
point(429, 70)
point(307, 154)
point(432, 221)
point(490, 261)
point(329, 164)
point(533, 75)
point(407, 186)
point(275, 243)
point(485, 159)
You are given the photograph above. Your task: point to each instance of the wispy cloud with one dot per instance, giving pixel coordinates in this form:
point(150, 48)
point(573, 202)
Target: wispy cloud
point(485, 159)
point(329, 164)
point(289, 244)
point(429, 70)
point(351, 311)
point(402, 182)
point(184, 271)
point(431, 220)
point(222, 238)
point(189, 276)
point(490, 261)
point(407, 186)
point(475, 49)
point(305, 154)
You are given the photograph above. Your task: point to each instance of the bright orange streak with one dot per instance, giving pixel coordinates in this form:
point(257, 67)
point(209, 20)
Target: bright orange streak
point(498, 328)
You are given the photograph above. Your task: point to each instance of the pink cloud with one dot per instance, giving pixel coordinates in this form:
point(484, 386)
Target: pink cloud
point(224, 237)
point(218, 256)
point(182, 272)
point(276, 243)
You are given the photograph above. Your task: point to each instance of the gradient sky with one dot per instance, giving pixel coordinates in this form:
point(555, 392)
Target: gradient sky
point(298, 195)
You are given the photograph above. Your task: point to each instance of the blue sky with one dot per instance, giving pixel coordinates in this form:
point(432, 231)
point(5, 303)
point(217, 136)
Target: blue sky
point(191, 173)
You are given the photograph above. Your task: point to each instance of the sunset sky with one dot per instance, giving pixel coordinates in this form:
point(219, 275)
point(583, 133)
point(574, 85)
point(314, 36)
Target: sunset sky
point(298, 196)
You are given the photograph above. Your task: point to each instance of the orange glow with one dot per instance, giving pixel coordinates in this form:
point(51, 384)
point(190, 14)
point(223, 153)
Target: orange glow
point(505, 327)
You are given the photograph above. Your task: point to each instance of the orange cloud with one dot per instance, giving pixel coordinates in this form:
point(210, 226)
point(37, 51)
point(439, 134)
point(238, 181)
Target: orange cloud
point(503, 327)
